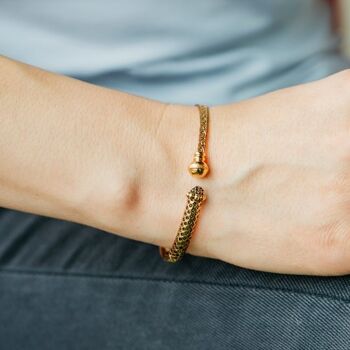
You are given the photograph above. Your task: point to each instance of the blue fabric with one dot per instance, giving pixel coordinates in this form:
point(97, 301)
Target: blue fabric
point(210, 51)
point(68, 286)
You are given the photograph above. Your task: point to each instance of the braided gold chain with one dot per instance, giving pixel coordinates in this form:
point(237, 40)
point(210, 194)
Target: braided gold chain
point(203, 127)
point(195, 197)
point(199, 168)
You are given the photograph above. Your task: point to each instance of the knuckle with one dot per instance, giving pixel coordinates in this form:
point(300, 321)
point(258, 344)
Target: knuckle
point(332, 251)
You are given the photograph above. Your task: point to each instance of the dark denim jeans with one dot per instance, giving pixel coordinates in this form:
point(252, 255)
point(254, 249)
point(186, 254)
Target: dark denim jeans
point(67, 286)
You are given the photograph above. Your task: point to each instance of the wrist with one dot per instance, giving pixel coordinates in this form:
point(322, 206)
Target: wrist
point(179, 130)
point(178, 138)
point(165, 180)
point(142, 195)
point(136, 186)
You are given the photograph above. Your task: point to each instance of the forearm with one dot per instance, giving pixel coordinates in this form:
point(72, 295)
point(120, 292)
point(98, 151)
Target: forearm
point(87, 154)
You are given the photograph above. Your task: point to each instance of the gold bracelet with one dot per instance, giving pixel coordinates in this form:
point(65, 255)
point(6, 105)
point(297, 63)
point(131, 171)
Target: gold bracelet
point(199, 168)
point(195, 197)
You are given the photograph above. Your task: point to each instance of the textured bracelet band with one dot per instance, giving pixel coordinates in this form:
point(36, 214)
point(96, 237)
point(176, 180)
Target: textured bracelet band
point(199, 167)
point(195, 197)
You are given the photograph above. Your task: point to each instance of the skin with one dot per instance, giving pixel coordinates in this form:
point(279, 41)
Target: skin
point(278, 189)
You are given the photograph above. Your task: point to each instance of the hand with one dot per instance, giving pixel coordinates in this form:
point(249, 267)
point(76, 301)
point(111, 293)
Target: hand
point(279, 187)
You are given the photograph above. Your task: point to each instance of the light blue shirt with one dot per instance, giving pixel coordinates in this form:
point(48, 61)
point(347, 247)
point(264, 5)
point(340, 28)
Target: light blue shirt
point(181, 51)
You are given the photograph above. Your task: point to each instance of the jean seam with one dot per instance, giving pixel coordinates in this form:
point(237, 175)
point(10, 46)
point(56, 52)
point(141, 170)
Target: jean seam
point(166, 280)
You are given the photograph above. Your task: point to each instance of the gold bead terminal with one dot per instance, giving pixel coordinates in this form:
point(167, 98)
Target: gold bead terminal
point(198, 168)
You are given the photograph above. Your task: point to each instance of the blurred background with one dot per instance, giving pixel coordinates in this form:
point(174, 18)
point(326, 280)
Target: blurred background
point(345, 24)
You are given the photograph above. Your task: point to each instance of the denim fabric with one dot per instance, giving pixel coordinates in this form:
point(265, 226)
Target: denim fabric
point(68, 286)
